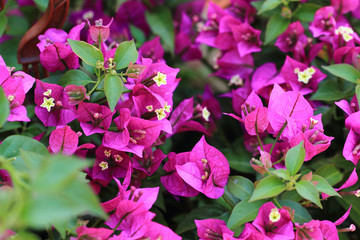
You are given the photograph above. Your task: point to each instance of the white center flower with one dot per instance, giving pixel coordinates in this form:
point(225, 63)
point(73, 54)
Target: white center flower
point(103, 165)
point(274, 215)
point(346, 33)
point(160, 79)
point(47, 93)
point(306, 75)
point(205, 114)
point(48, 103)
point(160, 113)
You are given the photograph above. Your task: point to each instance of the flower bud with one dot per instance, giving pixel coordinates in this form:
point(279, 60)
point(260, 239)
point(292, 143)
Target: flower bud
point(98, 32)
point(76, 94)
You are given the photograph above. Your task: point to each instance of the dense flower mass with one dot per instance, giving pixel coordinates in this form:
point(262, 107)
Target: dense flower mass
point(171, 119)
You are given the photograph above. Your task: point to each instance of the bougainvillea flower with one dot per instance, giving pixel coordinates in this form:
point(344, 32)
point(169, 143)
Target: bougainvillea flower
point(309, 230)
point(109, 164)
point(150, 161)
point(315, 142)
point(131, 215)
point(65, 140)
point(324, 22)
point(172, 181)
point(134, 134)
point(279, 152)
point(264, 78)
point(351, 151)
point(348, 108)
point(301, 78)
point(209, 229)
point(52, 107)
point(347, 55)
point(352, 122)
point(251, 233)
point(76, 94)
point(344, 6)
point(154, 230)
point(207, 170)
point(274, 223)
point(98, 32)
point(211, 28)
point(247, 39)
point(15, 87)
point(287, 41)
point(152, 49)
point(328, 230)
point(130, 12)
point(94, 118)
point(290, 108)
point(92, 233)
point(230, 65)
point(55, 54)
point(257, 122)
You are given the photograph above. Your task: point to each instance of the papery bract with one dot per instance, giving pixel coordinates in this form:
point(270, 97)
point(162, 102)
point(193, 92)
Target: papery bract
point(206, 171)
point(207, 229)
point(274, 223)
point(172, 182)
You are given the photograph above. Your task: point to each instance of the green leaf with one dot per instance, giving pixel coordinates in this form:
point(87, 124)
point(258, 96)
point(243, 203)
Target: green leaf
point(207, 211)
point(301, 214)
point(125, 54)
point(295, 158)
point(86, 52)
point(162, 25)
point(357, 92)
point(270, 186)
point(42, 4)
point(268, 5)
point(277, 24)
point(17, 26)
point(138, 35)
point(113, 87)
point(308, 191)
point(244, 212)
point(330, 90)
point(4, 107)
point(282, 173)
point(11, 146)
point(3, 24)
point(323, 186)
point(344, 71)
point(305, 12)
point(331, 173)
point(58, 191)
point(240, 187)
point(74, 77)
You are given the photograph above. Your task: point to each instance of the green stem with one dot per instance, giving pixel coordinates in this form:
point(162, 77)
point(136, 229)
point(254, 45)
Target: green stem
point(96, 85)
point(277, 137)
point(277, 203)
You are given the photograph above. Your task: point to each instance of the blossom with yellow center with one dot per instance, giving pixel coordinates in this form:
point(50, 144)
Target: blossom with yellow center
point(118, 158)
point(160, 79)
point(160, 113)
point(306, 75)
point(357, 193)
point(274, 215)
point(104, 165)
point(346, 33)
point(48, 103)
point(47, 93)
point(167, 107)
point(205, 114)
point(236, 80)
point(150, 108)
point(11, 98)
point(107, 152)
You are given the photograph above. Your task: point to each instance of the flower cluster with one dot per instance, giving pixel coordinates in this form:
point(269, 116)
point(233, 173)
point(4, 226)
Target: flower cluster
point(141, 107)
